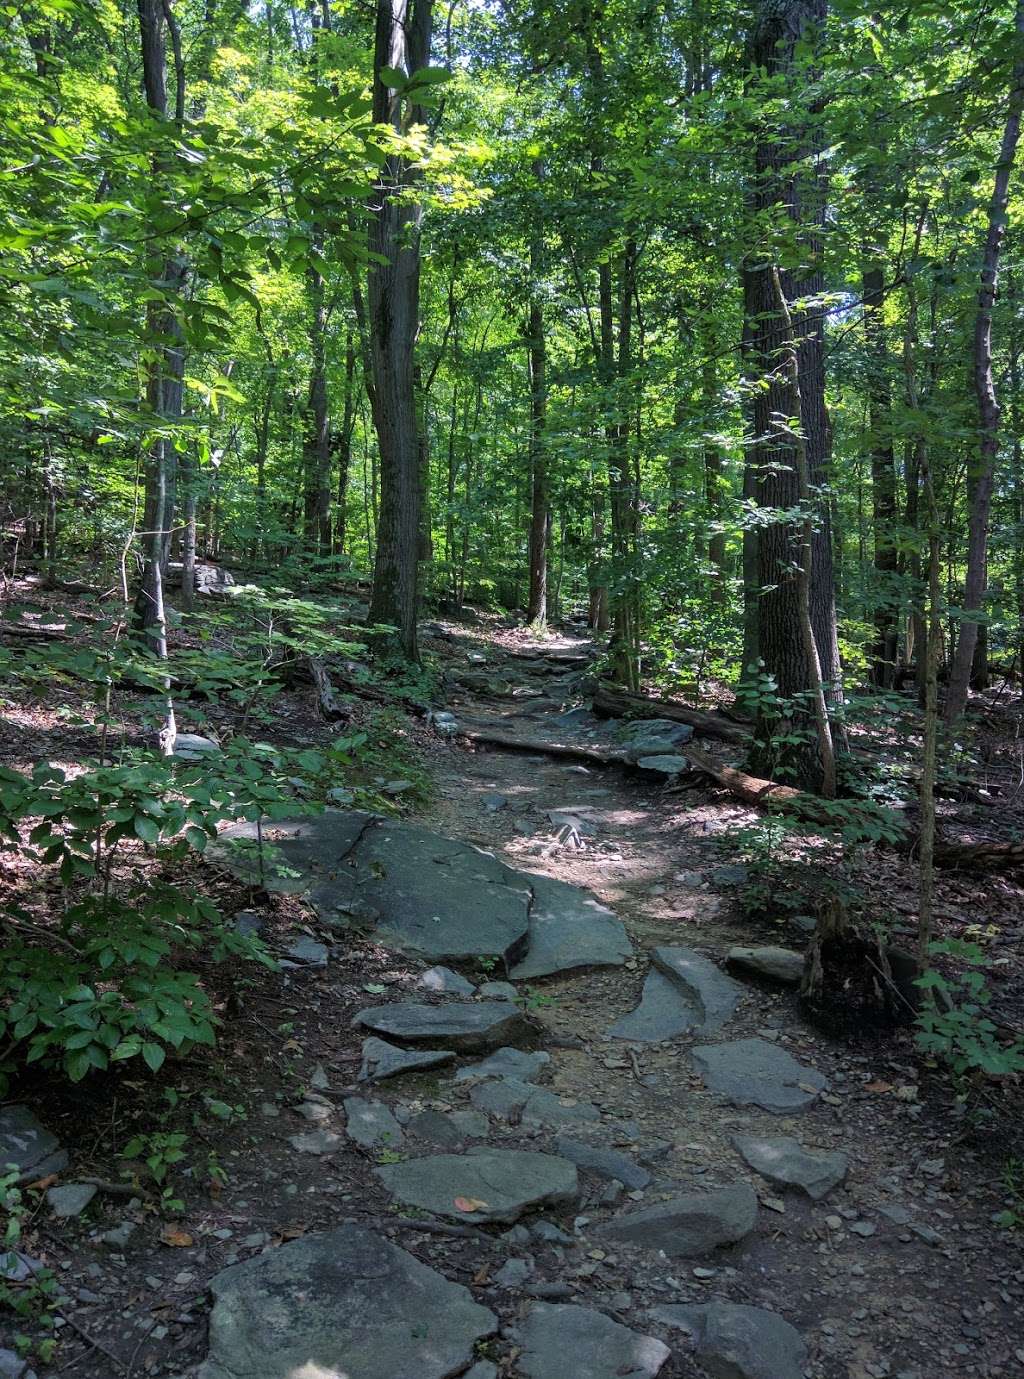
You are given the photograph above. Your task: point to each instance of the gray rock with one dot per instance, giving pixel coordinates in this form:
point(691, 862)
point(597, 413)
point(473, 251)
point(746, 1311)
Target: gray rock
point(340, 796)
point(315, 1142)
point(604, 1163)
point(371, 1124)
point(683, 991)
point(193, 747)
point(504, 1098)
point(550, 1234)
point(381, 1060)
point(247, 923)
point(497, 991)
point(397, 787)
point(483, 1369)
point(117, 1237)
point(733, 874)
point(307, 952)
point(443, 979)
point(448, 1129)
point(346, 1302)
point(785, 1163)
point(514, 1100)
point(692, 1225)
point(494, 802)
point(651, 737)
point(734, 1342)
point(569, 929)
point(506, 1063)
point(27, 1146)
point(16, 1267)
point(461, 1025)
point(513, 1273)
point(664, 764)
point(778, 964)
point(557, 1339)
point(752, 1072)
point(505, 1182)
point(70, 1199)
point(12, 1366)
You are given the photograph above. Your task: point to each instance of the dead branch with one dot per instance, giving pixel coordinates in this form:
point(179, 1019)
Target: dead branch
point(610, 702)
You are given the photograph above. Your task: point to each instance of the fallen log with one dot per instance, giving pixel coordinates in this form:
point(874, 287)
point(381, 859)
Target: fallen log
point(26, 632)
point(571, 751)
point(326, 697)
point(610, 702)
point(979, 856)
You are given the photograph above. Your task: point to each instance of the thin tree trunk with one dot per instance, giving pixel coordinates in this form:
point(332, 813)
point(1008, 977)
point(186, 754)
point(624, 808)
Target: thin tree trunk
point(540, 516)
point(883, 481)
point(981, 478)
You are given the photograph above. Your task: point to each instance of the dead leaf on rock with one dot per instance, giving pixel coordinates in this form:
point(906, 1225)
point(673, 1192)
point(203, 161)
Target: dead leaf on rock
point(469, 1204)
point(41, 1184)
point(878, 1087)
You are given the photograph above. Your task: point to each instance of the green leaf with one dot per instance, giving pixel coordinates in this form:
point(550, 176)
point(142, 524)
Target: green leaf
point(154, 1056)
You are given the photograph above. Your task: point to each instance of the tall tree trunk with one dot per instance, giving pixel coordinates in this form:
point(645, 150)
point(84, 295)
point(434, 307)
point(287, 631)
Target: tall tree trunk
point(343, 447)
point(782, 146)
point(402, 42)
point(316, 440)
point(883, 481)
point(540, 515)
point(981, 476)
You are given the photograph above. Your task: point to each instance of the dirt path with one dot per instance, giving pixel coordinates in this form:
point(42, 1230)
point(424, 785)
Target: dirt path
point(897, 1273)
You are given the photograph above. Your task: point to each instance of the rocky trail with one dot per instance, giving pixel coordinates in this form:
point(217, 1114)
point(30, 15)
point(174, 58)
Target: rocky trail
point(551, 1111)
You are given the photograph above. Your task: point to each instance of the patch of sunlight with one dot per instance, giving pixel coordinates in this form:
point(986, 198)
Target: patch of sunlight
point(311, 1370)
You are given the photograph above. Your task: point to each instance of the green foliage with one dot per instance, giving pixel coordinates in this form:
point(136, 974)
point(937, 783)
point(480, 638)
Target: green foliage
point(35, 1297)
point(953, 1026)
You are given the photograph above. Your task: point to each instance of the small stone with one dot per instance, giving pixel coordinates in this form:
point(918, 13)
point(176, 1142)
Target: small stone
point(70, 1199)
point(550, 1234)
point(498, 991)
point(777, 964)
point(371, 1124)
point(315, 1142)
point(314, 1111)
point(306, 952)
point(318, 1079)
point(27, 1146)
point(248, 923)
point(513, 1273)
point(494, 803)
point(12, 1366)
point(117, 1238)
point(443, 979)
point(604, 1163)
point(864, 1228)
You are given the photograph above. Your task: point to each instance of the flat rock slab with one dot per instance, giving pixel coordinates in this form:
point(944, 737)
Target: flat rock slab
point(651, 737)
point(692, 1225)
point(460, 1025)
point(736, 1342)
point(684, 991)
point(558, 1340)
point(27, 1146)
point(664, 764)
point(777, 964)
point(506, 1063)
point(447, 1129)
point(371, 1124)
point(70, 1199)
point(382, 1060)
point(432, 896)
point(569, 929)
point(347, 1303)
point(603, 1163)
point(785, 1163)
point(502, 1183)
point(752, 1072)
point(513, 1100)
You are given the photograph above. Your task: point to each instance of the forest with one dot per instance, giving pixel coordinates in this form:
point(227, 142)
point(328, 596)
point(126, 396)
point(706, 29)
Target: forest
point(511, 514)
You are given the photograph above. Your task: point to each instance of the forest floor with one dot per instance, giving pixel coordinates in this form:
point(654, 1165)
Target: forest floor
point(899, 1271)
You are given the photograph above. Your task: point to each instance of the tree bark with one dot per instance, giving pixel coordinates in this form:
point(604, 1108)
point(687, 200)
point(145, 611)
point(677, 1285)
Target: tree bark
point(540, 516)
point(982, 478)
point(402, 42)
point(883, 481)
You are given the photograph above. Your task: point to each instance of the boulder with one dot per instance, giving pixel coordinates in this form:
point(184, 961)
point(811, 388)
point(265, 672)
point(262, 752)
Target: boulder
point(651, 737)
point(28, 1147)
point(492, 1184)
point(345, 1302)
point(785, 1163)
point(460, 1025)
point(753, 1072)
point(557, 1340)
point(691, 1225)
point(737, 1342)
point(777, 964)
